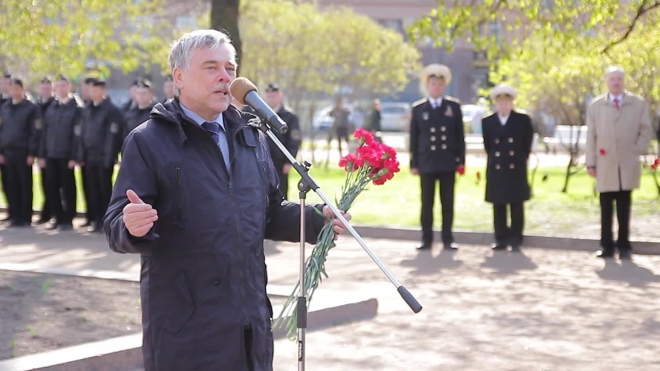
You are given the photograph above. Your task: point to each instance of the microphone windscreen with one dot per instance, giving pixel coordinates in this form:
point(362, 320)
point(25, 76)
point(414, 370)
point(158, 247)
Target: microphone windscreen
point(240, 87)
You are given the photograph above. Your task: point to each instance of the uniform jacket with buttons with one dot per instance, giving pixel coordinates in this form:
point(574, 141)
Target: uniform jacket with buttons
point(291, 139)
point(61, 130)
point(102, 134)
point(508, 147)
point(20, 128)
point(616, 139)
point(203, 278)
point(437, 138)
point(135, 116)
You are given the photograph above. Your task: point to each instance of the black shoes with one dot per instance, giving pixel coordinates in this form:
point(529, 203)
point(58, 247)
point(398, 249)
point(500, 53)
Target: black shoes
point(94, 228)
point(446, 246)
point(498, 246)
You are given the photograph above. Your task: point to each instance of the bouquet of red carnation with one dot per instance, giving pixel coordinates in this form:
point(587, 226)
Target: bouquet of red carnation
point(373, 162)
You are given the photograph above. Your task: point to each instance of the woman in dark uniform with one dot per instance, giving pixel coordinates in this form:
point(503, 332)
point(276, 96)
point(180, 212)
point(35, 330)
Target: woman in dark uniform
point(508, 137)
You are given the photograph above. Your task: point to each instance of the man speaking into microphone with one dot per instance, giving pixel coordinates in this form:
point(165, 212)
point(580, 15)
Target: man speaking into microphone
point(196, 196)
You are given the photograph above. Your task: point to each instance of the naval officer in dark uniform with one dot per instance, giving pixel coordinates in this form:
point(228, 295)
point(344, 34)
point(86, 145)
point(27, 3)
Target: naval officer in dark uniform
point(437, 151)
point(508, 137)
point(291, 139)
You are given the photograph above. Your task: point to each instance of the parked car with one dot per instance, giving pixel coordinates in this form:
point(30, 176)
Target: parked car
point(395, 116)
point(323, 121)
point(472, 116)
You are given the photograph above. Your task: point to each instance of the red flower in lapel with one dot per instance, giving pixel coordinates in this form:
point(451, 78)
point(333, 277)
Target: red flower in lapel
point(655, 164)
point(602, 152)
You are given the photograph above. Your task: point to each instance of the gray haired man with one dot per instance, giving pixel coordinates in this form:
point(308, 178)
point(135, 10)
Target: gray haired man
point(196, 196)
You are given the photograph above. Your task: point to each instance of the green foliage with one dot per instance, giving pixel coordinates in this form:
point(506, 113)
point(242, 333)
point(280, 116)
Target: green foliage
point(57, 36)
point(310, 50)
point(475, 21)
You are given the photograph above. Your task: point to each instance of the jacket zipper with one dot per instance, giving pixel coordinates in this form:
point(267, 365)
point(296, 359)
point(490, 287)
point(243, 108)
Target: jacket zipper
point(243, 272)
point(178, 191)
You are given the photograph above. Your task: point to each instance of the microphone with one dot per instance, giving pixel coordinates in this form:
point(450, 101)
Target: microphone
point(244, 91)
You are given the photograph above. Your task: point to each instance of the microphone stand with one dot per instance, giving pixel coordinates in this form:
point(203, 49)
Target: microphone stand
point(306, 184)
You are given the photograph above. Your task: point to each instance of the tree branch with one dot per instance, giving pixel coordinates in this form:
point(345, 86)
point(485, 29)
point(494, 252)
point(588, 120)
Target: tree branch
point(643, 9)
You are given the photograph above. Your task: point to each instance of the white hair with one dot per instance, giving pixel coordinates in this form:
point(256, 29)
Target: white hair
point(614, 69)
point(181, 51)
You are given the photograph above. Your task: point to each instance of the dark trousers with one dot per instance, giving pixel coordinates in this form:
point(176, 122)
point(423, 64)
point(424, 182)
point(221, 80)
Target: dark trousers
point(623, 203)
point(19, 188)
point(3, 175)
point(46, 213)
point(429, 181)
point(283, 178)
point(340, 135)
point(83, 174)
point(61, 190)
point(99, 183)
point(506, 233)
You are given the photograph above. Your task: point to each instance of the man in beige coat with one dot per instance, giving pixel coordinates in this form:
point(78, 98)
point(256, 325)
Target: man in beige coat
point(619, 133)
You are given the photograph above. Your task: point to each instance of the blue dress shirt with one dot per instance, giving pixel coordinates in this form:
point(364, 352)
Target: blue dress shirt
point(222, 135)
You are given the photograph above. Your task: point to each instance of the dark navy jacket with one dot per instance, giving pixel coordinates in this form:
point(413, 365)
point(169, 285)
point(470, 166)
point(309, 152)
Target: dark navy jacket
point(437, 136)
point(203, 277)
point(508, 147)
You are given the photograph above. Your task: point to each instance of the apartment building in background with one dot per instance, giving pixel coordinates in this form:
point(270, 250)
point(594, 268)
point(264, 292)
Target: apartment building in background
point(469, 68)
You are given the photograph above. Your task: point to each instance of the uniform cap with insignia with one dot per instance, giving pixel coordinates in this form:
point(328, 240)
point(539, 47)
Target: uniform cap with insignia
point(435, 70)
point(503, 89)
point(144, 84)
point(272, 87)
point(98, 82)
point(17, 81)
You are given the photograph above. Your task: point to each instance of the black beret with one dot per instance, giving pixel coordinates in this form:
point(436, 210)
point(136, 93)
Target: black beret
point(272, 87)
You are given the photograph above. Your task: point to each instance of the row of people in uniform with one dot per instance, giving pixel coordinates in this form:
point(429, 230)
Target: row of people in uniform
point(63, 130)
point(437, 149)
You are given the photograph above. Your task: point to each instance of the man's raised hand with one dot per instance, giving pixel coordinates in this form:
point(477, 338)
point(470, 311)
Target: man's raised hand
point(139, 217)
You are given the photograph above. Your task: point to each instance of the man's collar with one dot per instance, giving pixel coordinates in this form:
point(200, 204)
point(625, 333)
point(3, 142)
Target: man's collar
point(65, 100)
point(618, 96)
point(199, 120)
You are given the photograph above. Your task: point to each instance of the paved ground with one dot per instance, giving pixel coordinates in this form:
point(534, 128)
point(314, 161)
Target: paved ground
point(541, 310)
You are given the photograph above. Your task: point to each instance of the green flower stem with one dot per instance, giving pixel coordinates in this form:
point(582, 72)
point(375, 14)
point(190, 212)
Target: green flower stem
point(355, 183)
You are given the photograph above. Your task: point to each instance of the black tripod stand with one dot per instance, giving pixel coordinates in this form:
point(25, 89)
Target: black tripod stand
point(304, 186)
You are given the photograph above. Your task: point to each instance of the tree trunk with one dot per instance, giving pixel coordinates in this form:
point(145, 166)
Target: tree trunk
point(224, 17)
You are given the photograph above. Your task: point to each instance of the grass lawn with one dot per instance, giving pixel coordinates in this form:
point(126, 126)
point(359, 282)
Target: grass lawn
point(550, 212)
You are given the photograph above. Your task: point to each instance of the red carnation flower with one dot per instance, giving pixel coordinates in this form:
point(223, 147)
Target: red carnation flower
point(351, 162)
point(363, 136)
point(602, 151)
point(655, 164)
point(461, 170)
